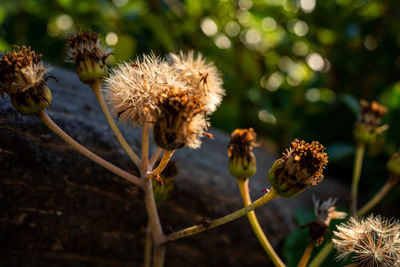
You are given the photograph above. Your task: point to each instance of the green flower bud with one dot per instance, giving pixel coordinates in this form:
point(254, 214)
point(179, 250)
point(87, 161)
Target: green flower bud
point(32, 101)
point(393, 165)
point(88, 55)
point(299, 167)
point(242, 162)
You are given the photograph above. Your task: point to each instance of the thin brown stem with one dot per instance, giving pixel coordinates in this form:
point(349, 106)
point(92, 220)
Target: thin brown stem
point(69, 140)
point(147, 247)
point(164, 161)
point(145, 148)
point(244, 191)
point(118, 135)
point(271, 195)
point(306, 255)
point(155, 157)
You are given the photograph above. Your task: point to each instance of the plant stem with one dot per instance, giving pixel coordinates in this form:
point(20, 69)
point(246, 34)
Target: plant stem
point(306, 255)
point(145, 148)
point(356, 175)
point(69, 140)
point(155, 225)
point(155, 157)
point(147, 247)
point(324, 252)
point(392, 181)
point(271, 195)
point(164, 161)
point(321, 256)
point(120, 138)
point(244, 191)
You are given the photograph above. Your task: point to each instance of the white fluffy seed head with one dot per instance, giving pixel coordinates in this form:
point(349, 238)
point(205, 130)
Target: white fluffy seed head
point(200, 76)
point(373, 241)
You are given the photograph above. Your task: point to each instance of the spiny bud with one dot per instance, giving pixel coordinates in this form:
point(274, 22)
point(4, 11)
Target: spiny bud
point(180, 120)
point(22, 77)
point(242, 162)
point(88, 55)
point(300, 166)
point(393, 165)
point(368, 125)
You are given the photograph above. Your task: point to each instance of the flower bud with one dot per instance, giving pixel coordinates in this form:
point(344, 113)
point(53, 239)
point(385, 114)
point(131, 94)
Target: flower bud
point(299, 167)
point(393, 165)
point(180, 120)
point(367, 127)
point(86, 52)
point(23, 78)
point(242, 162)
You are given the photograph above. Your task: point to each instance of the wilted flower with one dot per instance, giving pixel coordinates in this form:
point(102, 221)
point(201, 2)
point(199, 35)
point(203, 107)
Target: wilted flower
point(199, 76)
point(180, 120)
point(88, 55)
point(373, 241)
point(242, 162)
point(324, 212)
point(22, 76)
point(368, 125)
point(393, 165)
point(300, 166)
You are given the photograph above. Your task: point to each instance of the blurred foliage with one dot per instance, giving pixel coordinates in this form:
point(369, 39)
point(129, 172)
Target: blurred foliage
point(292, 68)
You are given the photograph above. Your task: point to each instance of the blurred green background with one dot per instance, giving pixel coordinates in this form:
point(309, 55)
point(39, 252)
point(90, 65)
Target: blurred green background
point(291, 68)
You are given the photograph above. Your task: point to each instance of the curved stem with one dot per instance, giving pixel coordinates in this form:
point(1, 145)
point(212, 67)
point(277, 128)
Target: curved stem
point(356, 176)
point(118, 135)
point(69, 140)
point(306, 255)
point(155, 157)
point(244, 191)
point(271, 195)
point(164, 161)
point(392, 181)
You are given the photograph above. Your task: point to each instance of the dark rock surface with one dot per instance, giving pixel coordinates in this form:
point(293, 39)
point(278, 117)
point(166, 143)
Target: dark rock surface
point(58, 208)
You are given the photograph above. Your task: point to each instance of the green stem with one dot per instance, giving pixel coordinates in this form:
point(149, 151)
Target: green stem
point(324, 252)
point(392, 181)
point(271, 195)
point(244, 191)
point(306, 255)
point(69, 140)
point(120, 138)
point(356, 176)
point(164, 161)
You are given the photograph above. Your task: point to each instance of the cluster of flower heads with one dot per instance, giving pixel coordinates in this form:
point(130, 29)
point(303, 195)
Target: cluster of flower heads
point(300, 166)
point(373, 241)
point(174, 96)
point(20, 70)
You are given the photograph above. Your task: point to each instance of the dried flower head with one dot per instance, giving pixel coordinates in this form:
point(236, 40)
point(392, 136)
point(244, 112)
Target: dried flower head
point(20, 70)
point(23, 77)
point(179, 121)
point(88, 55)
point(200, 76)
point(300, 166)
point(368, 125)
point(242, 162)
point(134, 89)
point(373, 241)
point(324, 212)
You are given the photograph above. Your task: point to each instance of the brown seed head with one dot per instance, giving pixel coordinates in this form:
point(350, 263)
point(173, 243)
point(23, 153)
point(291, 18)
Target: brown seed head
point(242, 142)
point(371, 113)
point(20, 70)
point(373, 241)
point(179, 121)
point(86, 45)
